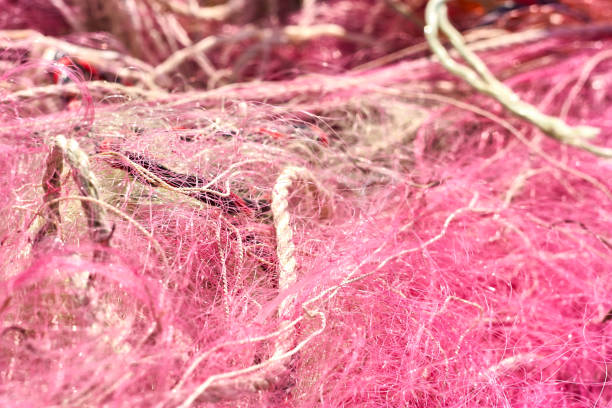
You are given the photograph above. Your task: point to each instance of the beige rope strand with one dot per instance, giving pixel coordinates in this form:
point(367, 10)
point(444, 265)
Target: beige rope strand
point(52, 185)
point(285, 248)
point(478, 76)
point(222, 259)
point(100, 229)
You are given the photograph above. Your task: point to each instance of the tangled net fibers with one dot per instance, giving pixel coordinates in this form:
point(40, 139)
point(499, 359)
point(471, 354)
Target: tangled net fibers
point(298, 204)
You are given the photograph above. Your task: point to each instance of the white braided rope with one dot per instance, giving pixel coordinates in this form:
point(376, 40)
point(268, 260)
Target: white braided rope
point(479, 77)
point(285, 248)
point(86, 181)
point(52, 184)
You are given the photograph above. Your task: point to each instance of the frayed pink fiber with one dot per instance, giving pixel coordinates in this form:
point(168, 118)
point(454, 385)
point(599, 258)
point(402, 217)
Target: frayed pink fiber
point(332, 234)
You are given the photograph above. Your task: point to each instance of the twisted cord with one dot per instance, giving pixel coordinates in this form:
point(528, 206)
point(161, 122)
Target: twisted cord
point(285, 248)
point(87, 184)
point(479, 77)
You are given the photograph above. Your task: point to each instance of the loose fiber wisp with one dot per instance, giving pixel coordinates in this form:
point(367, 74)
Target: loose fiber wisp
point(305, 204)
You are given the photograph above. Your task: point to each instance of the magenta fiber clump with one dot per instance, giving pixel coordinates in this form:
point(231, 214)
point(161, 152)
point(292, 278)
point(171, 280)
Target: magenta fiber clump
point(368, 203)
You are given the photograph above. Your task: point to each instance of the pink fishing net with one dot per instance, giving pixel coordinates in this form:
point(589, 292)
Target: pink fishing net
point(292, 204)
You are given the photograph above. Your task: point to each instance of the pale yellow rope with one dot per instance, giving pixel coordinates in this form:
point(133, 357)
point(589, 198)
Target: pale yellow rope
point(478, 76)
point(86, 181)
point(285, 248)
